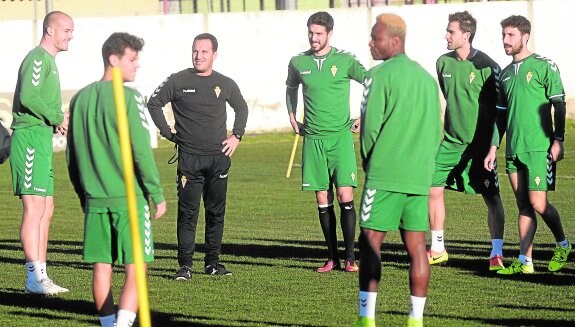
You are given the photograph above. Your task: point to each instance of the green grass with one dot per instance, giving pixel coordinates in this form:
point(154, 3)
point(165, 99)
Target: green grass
point(273, 244)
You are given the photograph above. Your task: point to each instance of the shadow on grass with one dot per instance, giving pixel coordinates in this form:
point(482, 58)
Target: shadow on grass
point(54, 246)
point(59, 306)
point(469, 256)
point(179, 320)
point(57, 310)
point(451, 320)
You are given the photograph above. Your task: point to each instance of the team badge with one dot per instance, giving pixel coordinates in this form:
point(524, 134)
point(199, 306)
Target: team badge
point(537, 180)
point(352, 176)
point(333, 70)
point(218, 90)
point(529, 76)
point(471, 77)
point(486, 182)
point(184, 179)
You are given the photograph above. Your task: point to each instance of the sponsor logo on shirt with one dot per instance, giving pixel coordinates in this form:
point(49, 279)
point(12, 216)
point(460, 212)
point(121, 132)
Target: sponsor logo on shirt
point(446, 75)
point(305, 72)
point(189, 90)
point(505, 79)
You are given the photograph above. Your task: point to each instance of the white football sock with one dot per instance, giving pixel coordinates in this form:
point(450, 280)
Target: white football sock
point(525, 260)
point(125, 318)
point(43, 270)
point(367, 302)
point(33, 270)
point(437, 244)
point(417, 306)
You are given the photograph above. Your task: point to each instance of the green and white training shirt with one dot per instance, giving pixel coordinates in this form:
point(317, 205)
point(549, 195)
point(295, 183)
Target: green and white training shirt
point(93, 153)
point(37, 98)
point(470, 89)
point(326, 84)
point(400, 126)
point(527, 88)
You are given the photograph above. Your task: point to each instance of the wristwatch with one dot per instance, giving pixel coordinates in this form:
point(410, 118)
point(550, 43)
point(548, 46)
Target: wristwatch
point(239, 137)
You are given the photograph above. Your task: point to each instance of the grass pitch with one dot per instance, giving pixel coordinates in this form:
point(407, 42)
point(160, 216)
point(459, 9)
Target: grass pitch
point(273, 243)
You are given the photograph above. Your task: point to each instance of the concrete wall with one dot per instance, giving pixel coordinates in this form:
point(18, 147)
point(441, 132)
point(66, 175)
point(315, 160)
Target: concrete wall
point(255, 48)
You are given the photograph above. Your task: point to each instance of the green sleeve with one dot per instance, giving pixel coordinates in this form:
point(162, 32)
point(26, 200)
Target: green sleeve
point(373, 112)
point(33, 75)
point(144, 165)
point(357, 71)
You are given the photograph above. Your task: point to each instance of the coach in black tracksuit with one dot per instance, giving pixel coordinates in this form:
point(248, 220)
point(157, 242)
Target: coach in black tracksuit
point(198, 96)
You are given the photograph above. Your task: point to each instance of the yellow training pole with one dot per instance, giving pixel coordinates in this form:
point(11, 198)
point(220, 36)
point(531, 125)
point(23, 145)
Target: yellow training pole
point(127, 162)
point(294, 147)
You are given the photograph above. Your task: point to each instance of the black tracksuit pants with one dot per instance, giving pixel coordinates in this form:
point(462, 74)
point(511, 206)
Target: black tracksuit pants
point(201, 176)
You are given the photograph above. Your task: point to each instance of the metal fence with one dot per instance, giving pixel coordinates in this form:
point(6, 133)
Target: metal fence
point(208, 6)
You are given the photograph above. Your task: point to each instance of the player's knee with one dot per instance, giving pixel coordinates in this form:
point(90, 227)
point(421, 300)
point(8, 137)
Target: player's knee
point(540, 206)
point(344, 194)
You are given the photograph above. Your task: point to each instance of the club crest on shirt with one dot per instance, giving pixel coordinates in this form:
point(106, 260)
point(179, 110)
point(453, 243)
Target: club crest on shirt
point(537, 180)
point(352, 176)
point(471, 77)
point(529, 76)
point(333, 70)
point(183, 180)
point(218, 90)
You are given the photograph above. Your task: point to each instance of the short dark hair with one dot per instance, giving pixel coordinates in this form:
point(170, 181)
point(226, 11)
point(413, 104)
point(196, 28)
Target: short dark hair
point(117, 43)
point(208, 36)
point(467, 23)
point(519, 22)
point(321, 18)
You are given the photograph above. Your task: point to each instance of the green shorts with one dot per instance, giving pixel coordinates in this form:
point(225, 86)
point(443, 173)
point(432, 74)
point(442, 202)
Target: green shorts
point(539, 169)
point(463, 171)
point(328, 162)
point(387, 211)
point(31, 161)
point(107, 237)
